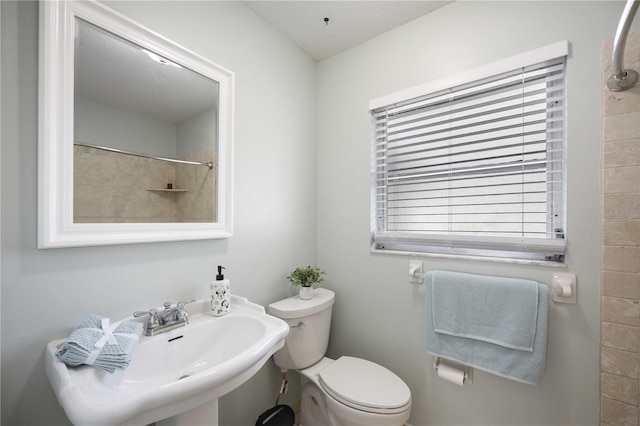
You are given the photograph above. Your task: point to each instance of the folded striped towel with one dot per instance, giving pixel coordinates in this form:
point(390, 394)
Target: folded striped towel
point(101, 344)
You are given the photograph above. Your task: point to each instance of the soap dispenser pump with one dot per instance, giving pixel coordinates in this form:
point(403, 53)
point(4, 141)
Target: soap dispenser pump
point(220, 277)
point(220, 294)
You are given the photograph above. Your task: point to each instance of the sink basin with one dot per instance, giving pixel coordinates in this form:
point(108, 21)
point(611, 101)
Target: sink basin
point(174, 372)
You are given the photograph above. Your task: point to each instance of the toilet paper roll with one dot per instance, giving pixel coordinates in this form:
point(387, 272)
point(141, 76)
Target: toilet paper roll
point(451, 374)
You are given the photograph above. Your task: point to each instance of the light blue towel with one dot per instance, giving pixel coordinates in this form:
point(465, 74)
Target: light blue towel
point(497, 310)
point(519, 365)
point(110, 354)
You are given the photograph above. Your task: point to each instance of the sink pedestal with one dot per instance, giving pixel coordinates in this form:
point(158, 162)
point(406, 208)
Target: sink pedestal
point(206, 414)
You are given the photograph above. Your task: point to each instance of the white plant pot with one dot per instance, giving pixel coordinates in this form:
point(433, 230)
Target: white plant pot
point(305, 293)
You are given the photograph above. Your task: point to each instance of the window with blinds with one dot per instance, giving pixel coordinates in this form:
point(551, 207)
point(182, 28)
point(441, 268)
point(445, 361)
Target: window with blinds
point(477, 169)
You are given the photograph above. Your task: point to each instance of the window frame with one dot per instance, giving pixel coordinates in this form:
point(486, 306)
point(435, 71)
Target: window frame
point(545, 251)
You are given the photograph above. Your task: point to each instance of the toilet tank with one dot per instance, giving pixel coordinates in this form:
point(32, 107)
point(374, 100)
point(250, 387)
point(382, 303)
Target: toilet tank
point(310, 322)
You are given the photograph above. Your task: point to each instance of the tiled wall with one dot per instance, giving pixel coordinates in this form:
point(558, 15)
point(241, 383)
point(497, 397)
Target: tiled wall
point(111, 187)
point(198, 204)
point(620, 291)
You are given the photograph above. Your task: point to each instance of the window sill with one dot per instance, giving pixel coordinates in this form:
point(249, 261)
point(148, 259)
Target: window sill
point(471, 258)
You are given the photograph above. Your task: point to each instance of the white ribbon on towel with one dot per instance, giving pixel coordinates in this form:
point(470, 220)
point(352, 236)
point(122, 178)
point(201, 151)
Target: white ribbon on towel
point(108, 337)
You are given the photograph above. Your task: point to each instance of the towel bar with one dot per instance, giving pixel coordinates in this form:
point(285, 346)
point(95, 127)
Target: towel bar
point(564, 288)
point(416, 273)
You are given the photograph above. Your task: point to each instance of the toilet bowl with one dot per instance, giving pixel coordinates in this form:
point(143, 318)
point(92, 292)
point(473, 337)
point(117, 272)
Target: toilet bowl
point(345, 391)
point(352, 391)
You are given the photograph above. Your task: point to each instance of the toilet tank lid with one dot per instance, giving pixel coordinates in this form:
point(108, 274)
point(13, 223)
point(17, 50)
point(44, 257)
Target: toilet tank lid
point(294, 307)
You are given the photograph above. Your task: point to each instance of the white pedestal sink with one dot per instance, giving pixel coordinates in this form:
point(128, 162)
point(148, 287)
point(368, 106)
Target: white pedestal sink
point(180, 373)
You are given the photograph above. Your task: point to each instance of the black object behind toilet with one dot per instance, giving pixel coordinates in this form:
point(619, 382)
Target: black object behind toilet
point(279, 415)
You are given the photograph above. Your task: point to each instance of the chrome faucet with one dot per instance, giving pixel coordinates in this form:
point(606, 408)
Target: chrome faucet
point(172, 317)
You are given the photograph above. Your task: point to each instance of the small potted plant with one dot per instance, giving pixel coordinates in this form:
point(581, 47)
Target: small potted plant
point(305, 277)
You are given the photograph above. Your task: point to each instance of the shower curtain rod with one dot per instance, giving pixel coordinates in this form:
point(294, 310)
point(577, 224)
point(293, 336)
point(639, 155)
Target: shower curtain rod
point(622, 79)
point(210, 164)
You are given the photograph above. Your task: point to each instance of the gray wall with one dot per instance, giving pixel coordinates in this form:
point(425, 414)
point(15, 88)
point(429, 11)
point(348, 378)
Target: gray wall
point(378, 314)
point(197, 134)
point(100, 124)
point(46, 292)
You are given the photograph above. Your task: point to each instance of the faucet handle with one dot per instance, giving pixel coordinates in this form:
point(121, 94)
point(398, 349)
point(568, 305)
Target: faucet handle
point(181, 304)
point(181, 312)
point(153, 320)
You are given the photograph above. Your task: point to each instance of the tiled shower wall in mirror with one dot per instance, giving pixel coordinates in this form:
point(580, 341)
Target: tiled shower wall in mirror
point(113, 187)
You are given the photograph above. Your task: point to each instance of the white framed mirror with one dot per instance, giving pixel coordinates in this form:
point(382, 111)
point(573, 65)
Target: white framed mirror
point(135, 133)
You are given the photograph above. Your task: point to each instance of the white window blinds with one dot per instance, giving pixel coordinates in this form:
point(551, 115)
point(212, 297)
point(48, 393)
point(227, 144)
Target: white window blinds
point(476, 169)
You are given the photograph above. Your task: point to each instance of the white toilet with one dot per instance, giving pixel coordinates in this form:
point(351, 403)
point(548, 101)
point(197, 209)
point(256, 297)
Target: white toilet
point(347, 391)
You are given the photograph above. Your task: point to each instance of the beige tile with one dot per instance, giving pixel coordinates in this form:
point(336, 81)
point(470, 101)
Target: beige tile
point(195, 207)
point(633, 44)
point(621, 259)
point(632, 51)
point(196, 204)
point(620, 284)
point(130, 171)
point(622, 337)
point(620, 334)
point(133, 203)
point(619, 388)
point(621, 127)
point(119, 191)
point(619, 362)
point(163, 204)
point(621, 232)
point(621, 179)
point(157, 173)
point(91, 167)
point(621, 153)
point(621, 206)
point(621, 311)
point(618, 413)
point(628, 144)
point(94, 201)
point(620, 103)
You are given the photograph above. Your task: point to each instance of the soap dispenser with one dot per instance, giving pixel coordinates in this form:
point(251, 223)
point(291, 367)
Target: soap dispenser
point(220, 294)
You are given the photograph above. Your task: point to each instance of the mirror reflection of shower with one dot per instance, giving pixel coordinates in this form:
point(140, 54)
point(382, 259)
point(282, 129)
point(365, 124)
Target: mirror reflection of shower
point(117, 186)
point(144, 127)
point(623, 79)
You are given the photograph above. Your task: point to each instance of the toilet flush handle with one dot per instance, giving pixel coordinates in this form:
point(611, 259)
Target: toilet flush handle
point(300, 325)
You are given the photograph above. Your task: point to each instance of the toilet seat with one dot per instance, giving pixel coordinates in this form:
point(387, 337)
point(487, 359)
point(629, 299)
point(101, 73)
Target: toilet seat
point(365, 386)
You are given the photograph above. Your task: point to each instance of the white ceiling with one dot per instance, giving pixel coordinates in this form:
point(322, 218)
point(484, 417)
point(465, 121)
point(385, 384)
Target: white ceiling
point(113, 71)
point(350, 22)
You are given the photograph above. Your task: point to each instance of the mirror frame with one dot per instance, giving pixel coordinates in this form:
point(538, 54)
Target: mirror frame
point(56, 227)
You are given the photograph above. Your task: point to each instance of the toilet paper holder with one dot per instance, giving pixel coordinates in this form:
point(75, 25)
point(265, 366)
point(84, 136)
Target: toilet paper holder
point(465, 369)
